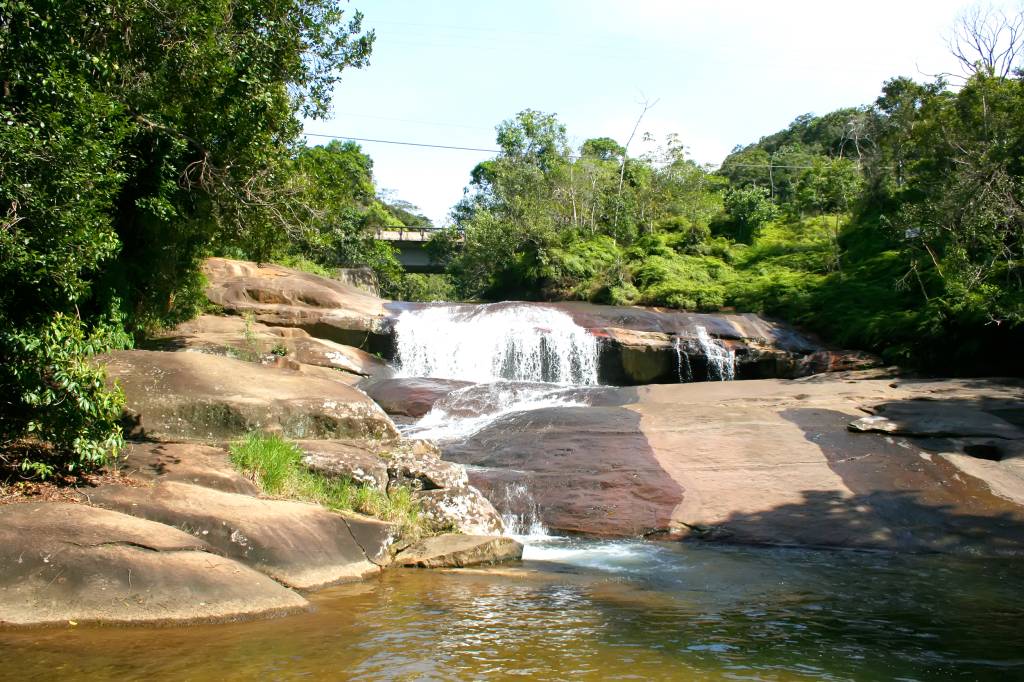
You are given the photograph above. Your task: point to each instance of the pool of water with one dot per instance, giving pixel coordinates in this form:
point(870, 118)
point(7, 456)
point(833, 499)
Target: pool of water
point(593, 610)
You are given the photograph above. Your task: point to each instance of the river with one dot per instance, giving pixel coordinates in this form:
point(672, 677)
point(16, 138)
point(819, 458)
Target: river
point(592, 610)
point(579, 608)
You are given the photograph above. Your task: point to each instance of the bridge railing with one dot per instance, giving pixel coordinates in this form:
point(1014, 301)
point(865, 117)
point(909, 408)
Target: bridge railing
point(407, 234)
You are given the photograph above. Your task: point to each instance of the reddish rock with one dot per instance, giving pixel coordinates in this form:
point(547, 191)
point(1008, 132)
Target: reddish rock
point(233, 337)
point(301, 545)
point(283, 297)
point(412, 397)
point(771, 462)
point(70, 562)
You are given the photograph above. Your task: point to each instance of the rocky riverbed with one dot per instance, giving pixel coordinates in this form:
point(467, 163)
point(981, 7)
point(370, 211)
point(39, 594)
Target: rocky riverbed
point(856, 458)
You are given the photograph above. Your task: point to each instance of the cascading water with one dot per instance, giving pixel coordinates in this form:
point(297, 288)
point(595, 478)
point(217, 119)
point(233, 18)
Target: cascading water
point(520, 513)
point(721, 360)
point(683, 368)
point(467, 410)
point(491, 342)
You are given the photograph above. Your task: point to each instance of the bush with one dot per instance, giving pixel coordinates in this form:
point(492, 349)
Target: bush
point(427, 288)
point(54, 393)
point(686, 282)
point(275, 465)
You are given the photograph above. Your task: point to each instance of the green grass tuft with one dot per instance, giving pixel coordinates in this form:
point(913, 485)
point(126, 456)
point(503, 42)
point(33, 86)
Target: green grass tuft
point(275, 465)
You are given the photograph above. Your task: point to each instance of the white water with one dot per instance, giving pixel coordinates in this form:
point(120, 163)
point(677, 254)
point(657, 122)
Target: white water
point(485, 343)
point(683, 368)
point(465, 411)
point(721, 360)
point(520, 514)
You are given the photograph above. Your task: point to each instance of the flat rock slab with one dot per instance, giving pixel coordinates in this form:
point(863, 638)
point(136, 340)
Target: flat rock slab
point(459, 551)
point(936, 418)
point(300, 545)
point(65, 562)
point(193, 463)
point(590, 469)
point(760, 462)
point(207, 398)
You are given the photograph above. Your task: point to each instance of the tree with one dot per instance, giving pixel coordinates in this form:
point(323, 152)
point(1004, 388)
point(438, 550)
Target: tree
point(135, 136)
point(751, 208)
point(988, 41)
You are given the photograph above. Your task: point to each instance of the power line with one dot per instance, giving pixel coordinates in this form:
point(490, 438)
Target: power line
point(407, 144)
point(499, 151)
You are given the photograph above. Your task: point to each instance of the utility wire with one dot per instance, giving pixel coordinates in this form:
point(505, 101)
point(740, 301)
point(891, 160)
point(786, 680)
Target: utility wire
point(408, 144)
point(498, 151)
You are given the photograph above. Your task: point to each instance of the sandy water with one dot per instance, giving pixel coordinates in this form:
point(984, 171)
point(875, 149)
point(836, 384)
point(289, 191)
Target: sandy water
point(593, 610)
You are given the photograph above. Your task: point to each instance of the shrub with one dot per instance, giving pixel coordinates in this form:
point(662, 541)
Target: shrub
point(57, 395)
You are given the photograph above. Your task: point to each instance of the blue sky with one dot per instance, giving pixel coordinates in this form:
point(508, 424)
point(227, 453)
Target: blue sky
point(723, 73)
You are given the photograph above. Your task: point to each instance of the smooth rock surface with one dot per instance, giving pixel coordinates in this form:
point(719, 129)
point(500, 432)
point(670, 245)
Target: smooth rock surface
point(280, 296)
point(459, 551)
point(300, 545)
point(412, 397)
point(193, 463)
point(257, 342)
point(69, 562)
point(207, 398)
point(937, 419)
point(766, 461)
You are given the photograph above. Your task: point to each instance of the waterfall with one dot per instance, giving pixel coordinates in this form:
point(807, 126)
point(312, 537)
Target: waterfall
point(520, 513)
point(483, 343)
point(467, 410)
point(721, 360)
point(683, 368)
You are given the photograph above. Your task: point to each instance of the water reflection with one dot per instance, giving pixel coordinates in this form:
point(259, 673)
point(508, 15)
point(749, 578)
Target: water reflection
point(597, 610)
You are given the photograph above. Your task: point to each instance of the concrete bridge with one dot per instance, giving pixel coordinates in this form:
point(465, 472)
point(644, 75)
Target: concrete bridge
point(411, 243)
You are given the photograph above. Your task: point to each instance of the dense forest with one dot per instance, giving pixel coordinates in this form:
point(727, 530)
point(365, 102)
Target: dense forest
point(139, 137)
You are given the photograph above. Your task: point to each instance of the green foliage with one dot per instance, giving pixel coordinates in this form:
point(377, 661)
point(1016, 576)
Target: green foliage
point(683, 281)
point(427, 288)
point(751, 208)
point(896, 227)
point(303, 264)
point(536, 213)
point(135, 136)
point(54, 392)
point(275, 465)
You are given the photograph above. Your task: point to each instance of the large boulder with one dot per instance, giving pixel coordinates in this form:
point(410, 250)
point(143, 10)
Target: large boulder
point(459, 551)
point(283, 297)
point(589, 469)
point(462, 508)
point(768, 462)
point(69, 562)
point(235, 337)
point(208, 398)
point(658, 345)
point(300, 545)
point(411, 397)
